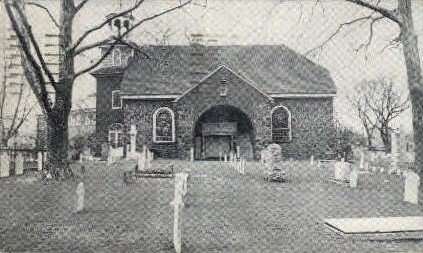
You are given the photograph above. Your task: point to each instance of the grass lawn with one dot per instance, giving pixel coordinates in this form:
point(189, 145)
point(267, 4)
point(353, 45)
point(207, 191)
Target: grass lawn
point(224, 212)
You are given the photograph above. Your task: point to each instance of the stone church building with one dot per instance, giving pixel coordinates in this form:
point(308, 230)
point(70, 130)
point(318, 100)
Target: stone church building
point(213, 100)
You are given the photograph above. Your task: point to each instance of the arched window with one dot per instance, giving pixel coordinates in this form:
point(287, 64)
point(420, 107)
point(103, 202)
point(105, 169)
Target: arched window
point(163, 125)
point(116, 135)
point(117, 57)
point(281, 124)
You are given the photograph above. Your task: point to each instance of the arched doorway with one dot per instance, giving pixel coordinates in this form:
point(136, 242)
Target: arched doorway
point(223, 129)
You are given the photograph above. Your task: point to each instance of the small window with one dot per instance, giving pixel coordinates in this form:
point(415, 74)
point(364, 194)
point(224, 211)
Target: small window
point(116, 135)
point(281, 125)
point(116, 100)
point(163, 125)
point(117, 57)
point(223, 88)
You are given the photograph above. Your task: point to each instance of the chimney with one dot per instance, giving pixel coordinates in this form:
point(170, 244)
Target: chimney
point(197, 58)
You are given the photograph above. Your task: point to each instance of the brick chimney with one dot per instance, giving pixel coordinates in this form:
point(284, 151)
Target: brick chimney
point(197, 58)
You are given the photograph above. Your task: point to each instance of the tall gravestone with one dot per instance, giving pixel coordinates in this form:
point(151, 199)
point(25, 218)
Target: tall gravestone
point(19, 164)
point(411, 187)
point(395, 149)
point(133, 141)
point(4, 164)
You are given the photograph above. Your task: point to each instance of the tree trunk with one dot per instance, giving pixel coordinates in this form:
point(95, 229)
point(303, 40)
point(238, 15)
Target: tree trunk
point(57, 148)
point(386, 138)
point(58, 118)
point(415, 83)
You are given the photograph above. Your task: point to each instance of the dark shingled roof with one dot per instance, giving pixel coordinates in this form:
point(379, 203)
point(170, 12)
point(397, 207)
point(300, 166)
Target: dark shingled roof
point(273, 69)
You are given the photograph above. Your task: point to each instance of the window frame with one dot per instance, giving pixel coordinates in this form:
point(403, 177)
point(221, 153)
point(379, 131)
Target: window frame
point(113, 104)
point(155, 125)
point(289, 128)
point(117, 61)
point(115, 133)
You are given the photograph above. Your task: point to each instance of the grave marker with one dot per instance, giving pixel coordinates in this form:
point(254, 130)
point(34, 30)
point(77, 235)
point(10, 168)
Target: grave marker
point(342, 171)
point(4, 164)
point(40, 161)
point(19, 164)
point(312, 160)
point(192, 154)
point(178, 205)
point(411, 187)
point(80, 197)
point(354, 178)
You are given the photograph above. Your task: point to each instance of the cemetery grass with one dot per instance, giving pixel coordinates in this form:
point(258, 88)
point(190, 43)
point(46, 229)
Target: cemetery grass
point(224, 212)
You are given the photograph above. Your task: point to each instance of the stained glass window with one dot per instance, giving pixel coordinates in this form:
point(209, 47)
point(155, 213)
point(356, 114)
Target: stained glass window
point(164, 129)
point(281, 124)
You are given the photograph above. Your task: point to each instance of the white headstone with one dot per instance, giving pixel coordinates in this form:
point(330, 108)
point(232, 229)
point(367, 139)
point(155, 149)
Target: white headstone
point(4, 164)
point(411, 187)
point(361, 159)
point(192, 154)
point(342, 171)
point(40, 160)
point(19, 164)
point(312, 160)
point(80, 197)
point(177, 212)
point(353, 178)
point(238, 151)
point(133, 141)
point(225, 158)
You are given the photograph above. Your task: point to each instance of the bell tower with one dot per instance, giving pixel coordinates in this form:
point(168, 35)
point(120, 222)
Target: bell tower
point(122, 51)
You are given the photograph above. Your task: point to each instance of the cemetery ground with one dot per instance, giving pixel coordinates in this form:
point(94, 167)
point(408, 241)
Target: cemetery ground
point(224, 211)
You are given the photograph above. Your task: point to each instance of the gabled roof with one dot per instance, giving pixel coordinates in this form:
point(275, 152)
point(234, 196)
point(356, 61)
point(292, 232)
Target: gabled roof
point(272, 69)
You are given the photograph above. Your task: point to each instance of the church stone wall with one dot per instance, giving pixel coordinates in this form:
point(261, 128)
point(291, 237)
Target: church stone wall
point(312, 118)
point(312, 127)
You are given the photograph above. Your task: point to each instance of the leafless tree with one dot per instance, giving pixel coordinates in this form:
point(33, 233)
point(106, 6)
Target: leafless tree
point(378, 103)
point(14, 106)
point(40, 77)
point(357, 99)
point(401, 15)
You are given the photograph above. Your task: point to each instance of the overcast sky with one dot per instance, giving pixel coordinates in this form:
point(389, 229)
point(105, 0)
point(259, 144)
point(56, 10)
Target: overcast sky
point(301, 25)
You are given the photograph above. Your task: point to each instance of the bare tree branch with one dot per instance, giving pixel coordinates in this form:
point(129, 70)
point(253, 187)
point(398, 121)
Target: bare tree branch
point(121, 36)
point(339, 29)
point(371, 32)
point(385, 12)
point(104, 23)
point(81, 5)
point(35, 45)
point(32, 70)
point(47, 10)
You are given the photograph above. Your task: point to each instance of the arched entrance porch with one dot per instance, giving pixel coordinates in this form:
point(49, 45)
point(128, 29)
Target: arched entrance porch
point(223, 129)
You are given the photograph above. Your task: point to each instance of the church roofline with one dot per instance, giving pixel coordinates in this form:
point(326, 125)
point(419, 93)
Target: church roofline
point(303, 95)
point(216, 70)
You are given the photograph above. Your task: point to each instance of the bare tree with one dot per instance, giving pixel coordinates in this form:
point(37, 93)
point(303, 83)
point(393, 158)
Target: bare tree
point(14, 106)
point(357, 99)
point(401, 15)
point(378, 103)
point(40, 77)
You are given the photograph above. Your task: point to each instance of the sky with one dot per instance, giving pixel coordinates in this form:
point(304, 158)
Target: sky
point(300, 25)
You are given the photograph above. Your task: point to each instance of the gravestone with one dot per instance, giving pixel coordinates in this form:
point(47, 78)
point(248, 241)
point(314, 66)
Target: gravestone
point(361, 159)
point(80, 197)
point(40, 161)
point(192, 154)
point(312, 160)
point(133, 141)
point(4, 164)
point(342, 171)
point(411, 187)
point(395, 150)
point(19, 164)
point(354, 178)
point(275, 151)
point(178, 205)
